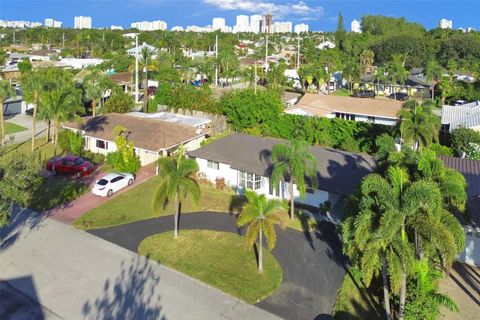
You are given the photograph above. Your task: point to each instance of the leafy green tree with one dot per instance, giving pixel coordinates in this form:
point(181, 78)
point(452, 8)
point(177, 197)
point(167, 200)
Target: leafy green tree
point(124, 159)
point(60, 105)
point(276, 77)
point(418, 123)
point(366, 61)
point(340, 34)
point(294, 162)
point(33, 84)
point(95, 85)
point(20, 178)
point(245, 109)
point(434, 72)
point(70, 141)
point(119, 102)
point(350, 72)
point(24, 66)
point(178, 183)
point(466, 142)
point(6, 91)
point(261, 215)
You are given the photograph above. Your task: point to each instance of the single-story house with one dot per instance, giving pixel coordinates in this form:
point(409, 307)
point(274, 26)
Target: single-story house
point(153, 139)
point(196, 122)
point(379, 111)
point(243, 162)
point(466, 115)
point(470, 169)
point(123, 80)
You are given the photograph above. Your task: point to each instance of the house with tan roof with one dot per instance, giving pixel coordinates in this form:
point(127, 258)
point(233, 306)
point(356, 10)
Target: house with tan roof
point(153, 139)
point(349, 108)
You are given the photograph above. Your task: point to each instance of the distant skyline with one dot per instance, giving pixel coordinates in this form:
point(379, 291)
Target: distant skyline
point(319, 15)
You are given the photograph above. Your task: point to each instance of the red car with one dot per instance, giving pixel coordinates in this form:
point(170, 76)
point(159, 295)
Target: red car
point(70, 165)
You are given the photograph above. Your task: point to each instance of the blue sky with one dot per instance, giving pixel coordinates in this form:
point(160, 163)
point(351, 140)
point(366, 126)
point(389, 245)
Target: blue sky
point(320, 15)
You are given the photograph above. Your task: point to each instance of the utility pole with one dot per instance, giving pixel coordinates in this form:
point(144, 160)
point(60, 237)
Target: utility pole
point(266, 53)
point(255, 78)
point(63, 40)
point(13, 36)
point(216, 60)
point(136, 68)
point(298, 53)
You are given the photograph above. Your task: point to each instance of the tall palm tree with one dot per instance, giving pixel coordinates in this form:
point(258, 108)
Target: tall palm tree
point(6, 91)
point(397, 71)
point(60, 105)
point(145, 55)
point(418, 123)
point(177, 184)
point(295, 162)
point(434, 72)
point(95, 85)
point(380, 76)
point(350, 72)
point(33, 86)
point(366, 61)
point(261, 215)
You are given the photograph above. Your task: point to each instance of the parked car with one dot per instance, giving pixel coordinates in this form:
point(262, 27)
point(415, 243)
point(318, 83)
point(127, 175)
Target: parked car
point(402, 96)
point(364, 94)
point(70, 164)
point(111, 183)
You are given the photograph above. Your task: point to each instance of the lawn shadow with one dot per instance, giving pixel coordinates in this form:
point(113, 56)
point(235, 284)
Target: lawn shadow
point(21, 222)
point(133, 294)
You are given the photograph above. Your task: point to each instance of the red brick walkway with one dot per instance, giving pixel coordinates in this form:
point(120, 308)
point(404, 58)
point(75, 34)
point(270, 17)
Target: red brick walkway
point(72, 210)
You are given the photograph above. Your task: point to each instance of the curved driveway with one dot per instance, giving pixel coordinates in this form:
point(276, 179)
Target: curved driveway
point(312, 263)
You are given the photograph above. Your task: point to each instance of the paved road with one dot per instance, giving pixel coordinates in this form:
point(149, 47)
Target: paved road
point(312, 263)
point(70, 211)
point(79, 276)
point(26, 121)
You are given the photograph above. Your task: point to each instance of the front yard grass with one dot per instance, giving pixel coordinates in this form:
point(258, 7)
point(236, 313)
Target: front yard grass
point(220, 259)
point(136, 204)
point(44, 149)
point(13, 128)
point(342, 93)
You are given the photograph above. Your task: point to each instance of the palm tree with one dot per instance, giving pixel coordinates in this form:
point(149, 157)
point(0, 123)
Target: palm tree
point(295, 162)
point(60, 105)
point(95, 85)
point(350, 72)
point(380, 76)
point(145, 54)
point(6, 91)
point(397, 72)
point(261, 215)
point(434, 72)
point(418, 123)
point(177, 184)
point(33, 86)
point(366, 61)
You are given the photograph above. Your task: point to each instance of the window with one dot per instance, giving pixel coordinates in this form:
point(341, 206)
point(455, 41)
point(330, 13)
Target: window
point(274, 190)
point(371, 119)
point(102, 144)
point(213, 164)
point(249, 180)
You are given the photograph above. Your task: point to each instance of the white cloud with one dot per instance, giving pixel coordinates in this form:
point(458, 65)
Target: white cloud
point(261, 7)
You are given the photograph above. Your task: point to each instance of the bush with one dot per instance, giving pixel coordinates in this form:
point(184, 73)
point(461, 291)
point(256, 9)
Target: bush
point(93, 157)
point(441, 150)
point(70, 141)
point(124, 159)
point(119, 102)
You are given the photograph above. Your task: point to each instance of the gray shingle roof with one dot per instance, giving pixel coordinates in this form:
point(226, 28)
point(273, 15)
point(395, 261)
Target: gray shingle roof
point(338, 171)
point(470, 169)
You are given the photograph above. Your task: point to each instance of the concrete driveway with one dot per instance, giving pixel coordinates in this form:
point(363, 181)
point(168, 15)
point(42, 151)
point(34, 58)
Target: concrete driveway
point(75, 275)
point(70, 211)
point(312, 263)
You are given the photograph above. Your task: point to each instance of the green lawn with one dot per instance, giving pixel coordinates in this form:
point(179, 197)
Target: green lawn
point(219, 259)
point(44, 149)
point(136, 204)
point(355, 301)
point(342, 93)
point(12, 128)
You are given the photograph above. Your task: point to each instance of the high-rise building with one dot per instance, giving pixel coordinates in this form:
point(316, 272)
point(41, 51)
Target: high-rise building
point(355, 26)
point(445, 24)
point(267, 23)
point(256, 23)
point(243, 24)
point(57, 24)
point(48, 23)
point(177, 28)
point(113, 27)
point(218, 23)
point(149, 25)
point(81, 22)
point(282, 27)
point(302, 27)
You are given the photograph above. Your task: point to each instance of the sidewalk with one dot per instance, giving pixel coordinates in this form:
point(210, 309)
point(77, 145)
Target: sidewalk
point(76, 275)
point(70, 211)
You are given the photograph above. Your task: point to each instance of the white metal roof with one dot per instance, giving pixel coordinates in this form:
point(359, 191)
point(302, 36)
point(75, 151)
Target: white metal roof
point(173, 117)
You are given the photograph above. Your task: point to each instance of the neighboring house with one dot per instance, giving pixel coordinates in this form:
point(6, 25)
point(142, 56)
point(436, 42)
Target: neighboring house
point(196, 122)
point(470, 169)
point(466, 115)
point(326, 45)
point(123, 80)
point(153, 139)
point(379, 111)
point(133, 51)
point(289, 99)
point(75, 63)
point(243, 162)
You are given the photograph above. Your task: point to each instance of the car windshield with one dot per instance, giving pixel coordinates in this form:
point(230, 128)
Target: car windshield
point(78, 161)
point(102, 182)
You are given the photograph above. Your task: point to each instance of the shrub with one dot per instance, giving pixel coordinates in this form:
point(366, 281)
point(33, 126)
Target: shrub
point(93, 157)
point(70, 141)
point(441, 150)
point(124, 159)
point(119, 102)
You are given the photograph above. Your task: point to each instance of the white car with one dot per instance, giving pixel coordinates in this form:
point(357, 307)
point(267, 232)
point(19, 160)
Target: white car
point(111, 183)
